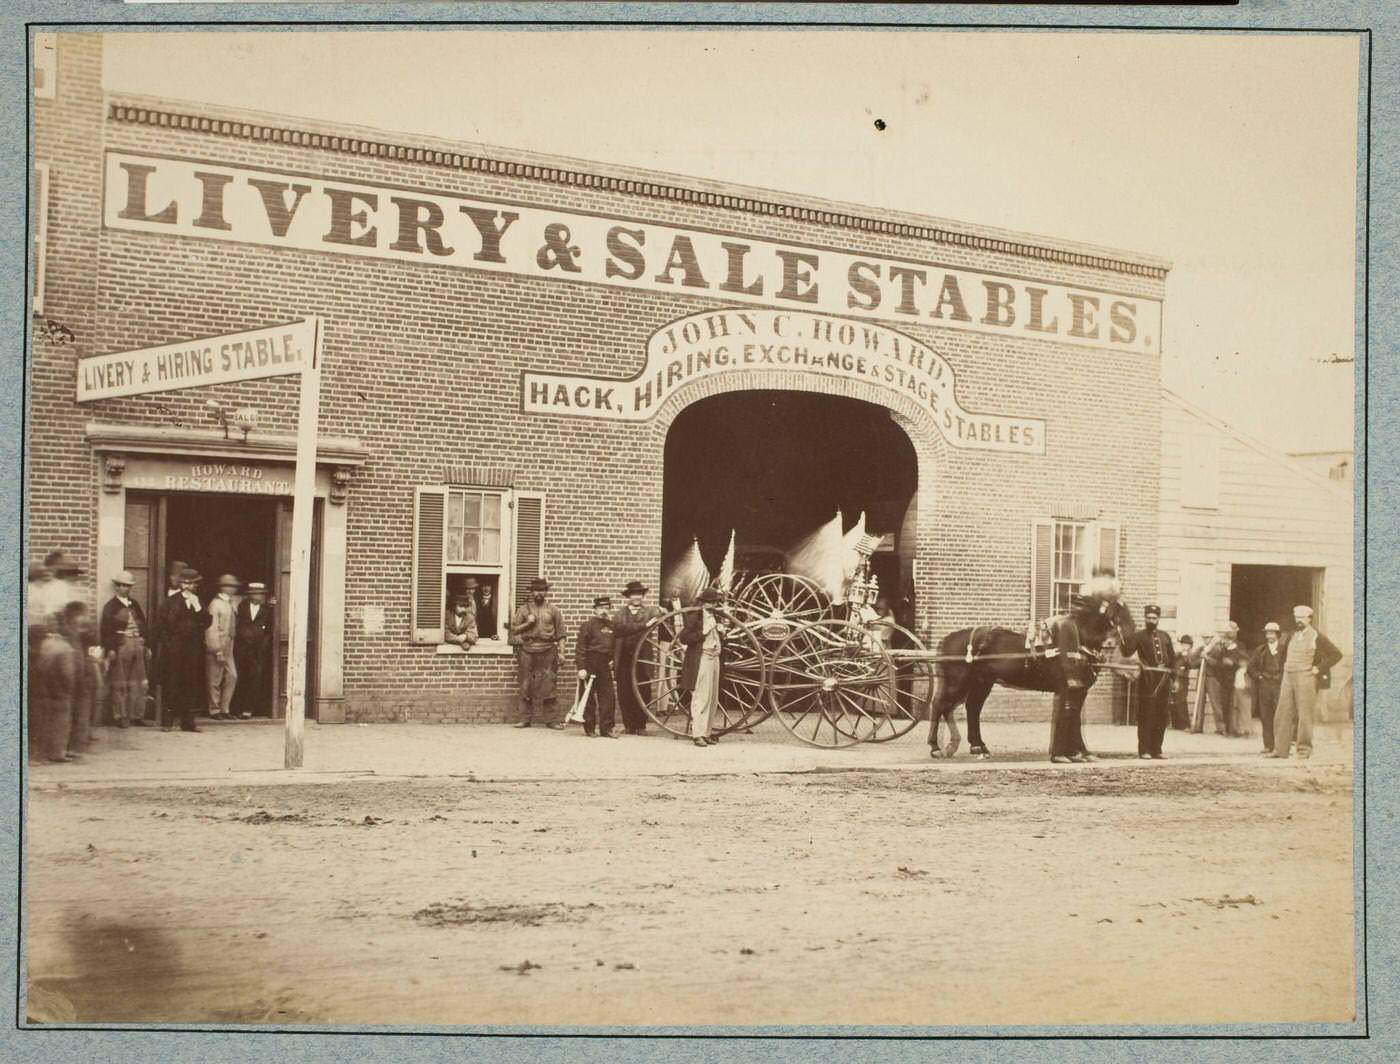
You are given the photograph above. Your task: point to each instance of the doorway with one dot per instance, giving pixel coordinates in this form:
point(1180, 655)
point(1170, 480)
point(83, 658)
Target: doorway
point(246, 536)
point(1263, 593)
point(774, 466)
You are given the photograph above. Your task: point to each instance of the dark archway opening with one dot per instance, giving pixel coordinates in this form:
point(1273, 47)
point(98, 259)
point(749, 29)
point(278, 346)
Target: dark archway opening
point(775, 465)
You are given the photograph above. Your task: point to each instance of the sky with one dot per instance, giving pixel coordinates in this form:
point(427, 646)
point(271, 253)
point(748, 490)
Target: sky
point(1232, 156)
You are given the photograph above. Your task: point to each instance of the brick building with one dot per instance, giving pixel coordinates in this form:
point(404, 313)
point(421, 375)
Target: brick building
point(543, 365)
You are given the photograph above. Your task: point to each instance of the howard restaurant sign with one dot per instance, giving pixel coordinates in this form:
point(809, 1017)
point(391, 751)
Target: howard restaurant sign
point(217, 201)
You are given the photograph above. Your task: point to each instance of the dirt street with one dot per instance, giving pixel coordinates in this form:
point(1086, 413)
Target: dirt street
point(1102, 894)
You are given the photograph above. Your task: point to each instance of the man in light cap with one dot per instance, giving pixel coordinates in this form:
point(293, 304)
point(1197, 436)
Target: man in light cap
point(122, 634)
point(1223, 658)
point(1307, 663)
point(1266, 669)
point(220, 670)
point(253, 632)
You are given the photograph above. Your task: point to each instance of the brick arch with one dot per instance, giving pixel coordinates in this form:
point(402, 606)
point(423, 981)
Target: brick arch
point(916, 422)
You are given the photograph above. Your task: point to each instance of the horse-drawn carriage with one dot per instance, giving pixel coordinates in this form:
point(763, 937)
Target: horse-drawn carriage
point(834, 675)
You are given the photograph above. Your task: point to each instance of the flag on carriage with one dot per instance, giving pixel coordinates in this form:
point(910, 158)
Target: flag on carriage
point(725, 580)
point(687, 576)
point(819, 557)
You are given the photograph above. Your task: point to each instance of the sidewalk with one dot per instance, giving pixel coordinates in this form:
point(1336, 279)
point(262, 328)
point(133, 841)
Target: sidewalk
point(250, 753)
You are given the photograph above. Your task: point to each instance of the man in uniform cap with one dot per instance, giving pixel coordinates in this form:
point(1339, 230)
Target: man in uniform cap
point(629, 626)
point(121, 633)
point(536, 630)
point(1154, 651)
point(1266, 668)
point(593, 657)
point(1307, 665)
point(220, 669)
point(180, 657)
point(253, 633)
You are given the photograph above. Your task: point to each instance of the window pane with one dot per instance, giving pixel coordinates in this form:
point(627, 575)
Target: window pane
point(491, 511)
point(490, 546)
point(454, 508)
point(471, 546)
point(454, 545)
point(473, 514)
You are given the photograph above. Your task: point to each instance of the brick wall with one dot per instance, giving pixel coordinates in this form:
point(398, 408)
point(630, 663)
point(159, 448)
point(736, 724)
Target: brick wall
point(423, 365)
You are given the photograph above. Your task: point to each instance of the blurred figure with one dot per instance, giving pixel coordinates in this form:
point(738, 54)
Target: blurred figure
point(486, 623)
point(220, 669)
point(58, 671)
point(181, 654)
point(629, 627)
point(121, 633)
point(1266, 669)
point(61, 586)
point(1223, 658)
point(1188, 656)
point(1307, 663)
point(38, 625)
point(703, 636)
point(252, 652)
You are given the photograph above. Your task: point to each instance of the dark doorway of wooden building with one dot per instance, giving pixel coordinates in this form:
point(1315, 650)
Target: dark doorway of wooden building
point(773, 466)
point(248, 537)
point(1263, 593)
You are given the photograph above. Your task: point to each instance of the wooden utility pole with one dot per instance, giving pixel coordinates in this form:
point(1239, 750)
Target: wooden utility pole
point(303, 499)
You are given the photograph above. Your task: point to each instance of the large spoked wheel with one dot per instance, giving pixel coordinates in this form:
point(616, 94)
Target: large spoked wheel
point(660, 661)
point(916, 679)
point(778, 598)
point(833, 684)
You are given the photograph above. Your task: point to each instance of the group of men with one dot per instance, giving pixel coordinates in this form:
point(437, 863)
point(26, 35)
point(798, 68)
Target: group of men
point(605, 652)
point(215, 658)
point(1287, 669)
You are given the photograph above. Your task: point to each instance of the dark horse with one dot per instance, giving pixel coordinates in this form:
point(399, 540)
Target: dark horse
point(1000, 656)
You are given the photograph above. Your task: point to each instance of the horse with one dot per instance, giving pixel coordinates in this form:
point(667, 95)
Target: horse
point(1000, 656)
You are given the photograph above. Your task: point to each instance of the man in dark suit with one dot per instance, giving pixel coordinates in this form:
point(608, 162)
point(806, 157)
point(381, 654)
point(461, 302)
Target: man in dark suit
point(252, 653)
point(1154, 650)
point(122, 634)
point(182, 624)
point(1266, 668)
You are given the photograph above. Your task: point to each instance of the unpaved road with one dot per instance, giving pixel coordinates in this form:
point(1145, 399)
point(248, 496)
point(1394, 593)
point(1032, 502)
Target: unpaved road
point(1100, 894)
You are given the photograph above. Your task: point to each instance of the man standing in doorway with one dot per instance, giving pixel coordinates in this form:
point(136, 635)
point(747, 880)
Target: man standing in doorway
point(1266, 667)
point(629, 626)
point(181, 654)
point(1307, 663)
point(121, 632)
point(220, 671)
point(1154, 651)
point(172, 588)
point(252, 654)
point(536, 630)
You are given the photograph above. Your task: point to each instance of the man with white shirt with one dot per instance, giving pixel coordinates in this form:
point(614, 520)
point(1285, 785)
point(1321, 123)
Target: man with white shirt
point(1266, 669)
point(181, 653)
point(122, 634)
point(220, 670)
point(1308, 659)
point(252, 652)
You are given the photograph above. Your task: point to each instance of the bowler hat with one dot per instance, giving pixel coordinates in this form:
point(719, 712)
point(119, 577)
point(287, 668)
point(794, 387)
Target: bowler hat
point(188, 574)
point(256, 585)
point(124, 579)
point(229, 580)
point(539, 583)
point(469, 583)
point(635, 587)
point(1272, 626)
point(602, 600)
point(1302, 611)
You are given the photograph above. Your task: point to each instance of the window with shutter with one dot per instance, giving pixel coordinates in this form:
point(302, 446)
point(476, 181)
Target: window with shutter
point(1042, 557)
point(429, 583)
point(529, 541)
point(1109, 535)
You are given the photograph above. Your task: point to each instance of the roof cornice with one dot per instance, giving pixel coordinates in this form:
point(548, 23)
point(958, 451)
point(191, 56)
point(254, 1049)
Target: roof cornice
point(650, 186)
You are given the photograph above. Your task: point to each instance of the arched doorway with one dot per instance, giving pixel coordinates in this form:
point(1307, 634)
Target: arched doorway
point(774, 465)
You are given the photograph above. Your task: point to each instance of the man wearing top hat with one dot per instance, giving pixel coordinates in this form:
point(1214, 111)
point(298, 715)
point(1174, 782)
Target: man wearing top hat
point(181, 654)
point(629, 625)
point(593, 657)
point(1308, 660)
point(1154, 650)
point(460, 628)
point(536, 630)
point(220, 669)
point(253, 634)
